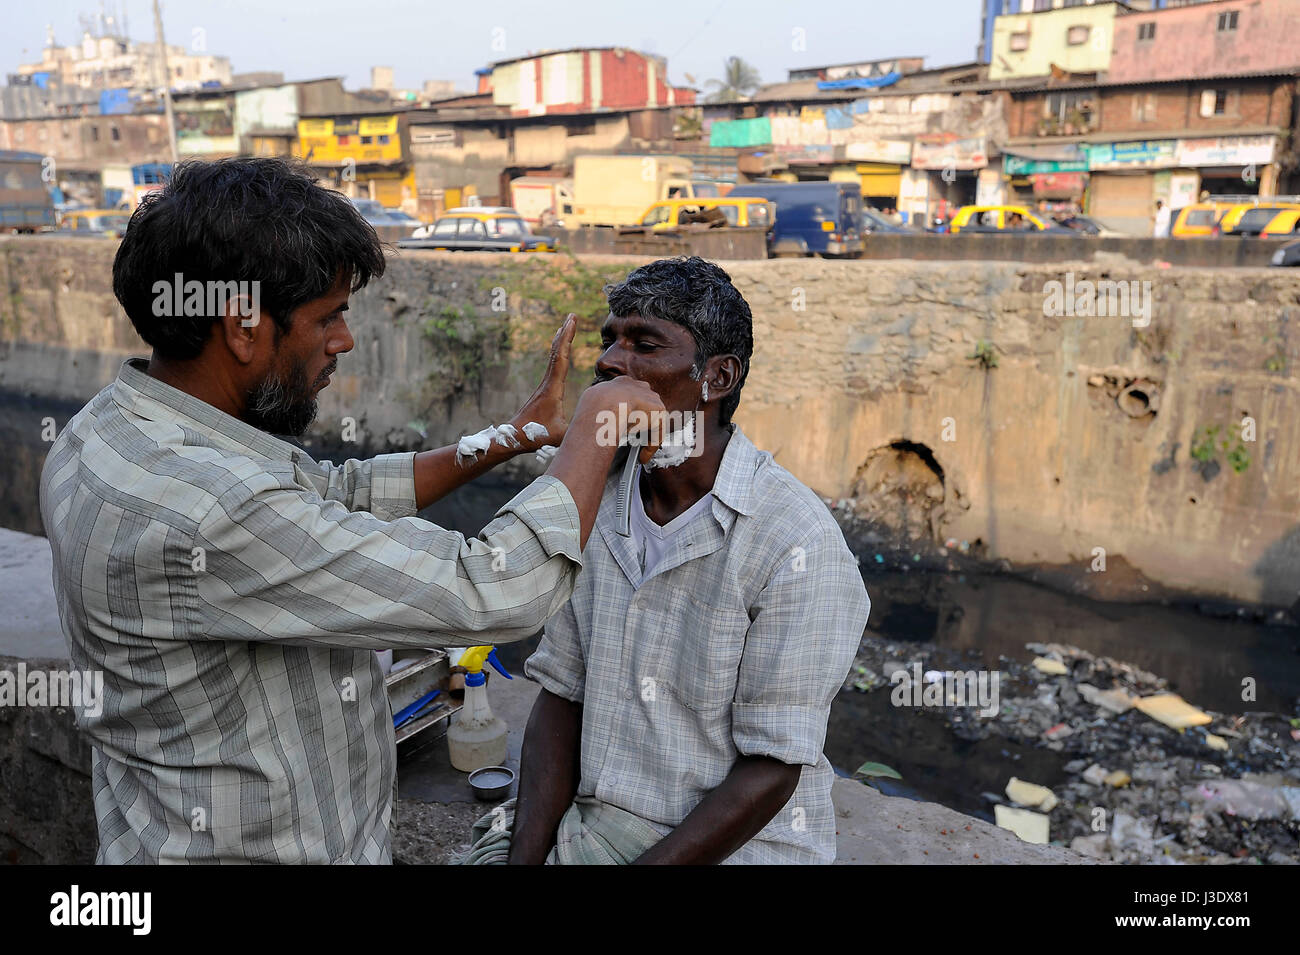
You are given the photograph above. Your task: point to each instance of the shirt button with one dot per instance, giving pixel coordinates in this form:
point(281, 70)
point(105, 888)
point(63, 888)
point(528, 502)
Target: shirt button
point(611, 782)
point(628, 694)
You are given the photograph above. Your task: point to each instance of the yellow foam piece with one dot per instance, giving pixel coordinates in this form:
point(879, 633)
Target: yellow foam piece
point(1050, 667)
point(1031, 794)
point(1029, 826)
point(1172, 710)
point(1216, 742)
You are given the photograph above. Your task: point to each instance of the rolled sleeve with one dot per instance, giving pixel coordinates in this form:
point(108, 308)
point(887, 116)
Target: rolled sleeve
point(558, 663)
point(798, 650)
point(383, 485)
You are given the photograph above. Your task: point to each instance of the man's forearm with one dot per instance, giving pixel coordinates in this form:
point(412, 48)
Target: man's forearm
point(437, 474)
point(728, 817)
point(549, 771)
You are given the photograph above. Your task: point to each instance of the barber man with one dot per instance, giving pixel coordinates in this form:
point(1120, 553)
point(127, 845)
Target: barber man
point(231, 589)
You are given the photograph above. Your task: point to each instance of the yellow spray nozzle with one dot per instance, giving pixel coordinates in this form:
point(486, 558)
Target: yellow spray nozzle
point(474, 658)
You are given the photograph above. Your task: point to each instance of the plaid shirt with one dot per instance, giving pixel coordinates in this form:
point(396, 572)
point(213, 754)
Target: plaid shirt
point(232, 590)
point(735, 645)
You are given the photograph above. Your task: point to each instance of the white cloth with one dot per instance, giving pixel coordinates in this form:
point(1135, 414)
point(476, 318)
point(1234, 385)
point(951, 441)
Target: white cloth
point(650, 541)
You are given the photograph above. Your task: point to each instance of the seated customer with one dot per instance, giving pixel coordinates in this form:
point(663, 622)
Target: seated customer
point(688, 681)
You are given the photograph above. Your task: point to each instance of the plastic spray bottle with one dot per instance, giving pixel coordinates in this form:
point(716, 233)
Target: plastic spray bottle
point(478, 737)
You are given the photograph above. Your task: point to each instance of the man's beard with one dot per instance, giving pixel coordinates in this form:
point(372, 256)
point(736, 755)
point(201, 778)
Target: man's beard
point(284, 405)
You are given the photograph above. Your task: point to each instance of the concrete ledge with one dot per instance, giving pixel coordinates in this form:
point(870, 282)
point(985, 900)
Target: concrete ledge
point(46, 804)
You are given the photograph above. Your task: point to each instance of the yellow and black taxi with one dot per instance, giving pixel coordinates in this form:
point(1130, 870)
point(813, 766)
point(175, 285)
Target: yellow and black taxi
point(1265, 221)
point(1003, 219)
point(96, 223)
point(735, 212)
point(479, 229)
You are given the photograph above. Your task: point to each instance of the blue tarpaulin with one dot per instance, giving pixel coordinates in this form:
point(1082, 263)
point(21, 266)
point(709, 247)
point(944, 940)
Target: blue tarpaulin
point(838, 119)
point(115, 102)
point(861, 82)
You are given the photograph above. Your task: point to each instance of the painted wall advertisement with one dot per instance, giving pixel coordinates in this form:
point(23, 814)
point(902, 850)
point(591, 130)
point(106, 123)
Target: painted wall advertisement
point(942, 152)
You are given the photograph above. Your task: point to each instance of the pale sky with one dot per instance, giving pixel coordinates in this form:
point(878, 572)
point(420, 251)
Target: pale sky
point(436, 39)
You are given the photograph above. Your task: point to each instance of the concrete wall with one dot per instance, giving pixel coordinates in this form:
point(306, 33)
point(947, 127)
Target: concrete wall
point(1067, 248)
point(864, 385)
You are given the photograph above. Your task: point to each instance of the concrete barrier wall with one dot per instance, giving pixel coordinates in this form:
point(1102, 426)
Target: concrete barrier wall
point(867, 382)
point(932, 247)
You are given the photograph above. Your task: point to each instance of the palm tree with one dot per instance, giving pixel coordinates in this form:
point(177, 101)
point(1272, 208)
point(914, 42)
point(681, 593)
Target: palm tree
point(739, 81)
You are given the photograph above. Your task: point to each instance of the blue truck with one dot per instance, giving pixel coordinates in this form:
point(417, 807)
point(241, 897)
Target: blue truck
point(25, 203)
point(812, 218)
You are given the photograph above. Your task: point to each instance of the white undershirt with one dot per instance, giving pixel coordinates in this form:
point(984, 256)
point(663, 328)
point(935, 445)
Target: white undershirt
point(650, 541)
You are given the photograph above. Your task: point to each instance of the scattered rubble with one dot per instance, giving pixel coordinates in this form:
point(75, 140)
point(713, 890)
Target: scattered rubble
point(1150, 778)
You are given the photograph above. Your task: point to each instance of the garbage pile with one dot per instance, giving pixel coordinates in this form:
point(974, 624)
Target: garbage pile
point(1151, 778)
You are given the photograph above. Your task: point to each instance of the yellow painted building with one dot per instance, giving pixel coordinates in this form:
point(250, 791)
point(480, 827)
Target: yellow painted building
point(1075, 39)
point(359, 139)
point(362, 154)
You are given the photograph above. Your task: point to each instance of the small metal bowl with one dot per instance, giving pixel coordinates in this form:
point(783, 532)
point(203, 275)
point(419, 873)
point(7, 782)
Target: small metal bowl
point(491, 782)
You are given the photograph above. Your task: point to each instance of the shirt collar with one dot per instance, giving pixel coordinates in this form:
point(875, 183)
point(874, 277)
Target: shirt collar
point(140, 393)
point(734, 485)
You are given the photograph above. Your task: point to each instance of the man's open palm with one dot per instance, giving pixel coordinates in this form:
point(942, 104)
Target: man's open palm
point(546, 406)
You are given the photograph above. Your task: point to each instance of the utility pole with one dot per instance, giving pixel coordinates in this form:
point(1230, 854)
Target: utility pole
point(166, 80)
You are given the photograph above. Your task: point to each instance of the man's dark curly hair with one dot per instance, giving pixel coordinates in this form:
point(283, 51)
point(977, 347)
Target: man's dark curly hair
point(241, 220)
point(698, 296)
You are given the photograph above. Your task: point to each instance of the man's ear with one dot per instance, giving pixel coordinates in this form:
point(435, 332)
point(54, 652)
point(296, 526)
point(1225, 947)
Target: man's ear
point(243, 327)
point(722, 372)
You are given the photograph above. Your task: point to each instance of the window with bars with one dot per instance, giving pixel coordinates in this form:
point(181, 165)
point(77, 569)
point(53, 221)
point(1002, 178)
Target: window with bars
point(1146, 31)
point(1227, 21)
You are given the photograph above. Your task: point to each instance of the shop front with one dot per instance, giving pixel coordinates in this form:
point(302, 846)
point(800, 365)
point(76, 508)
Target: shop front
point(1054, 178)
point(1122, 182)
point(949, 170)
point(1231, 165)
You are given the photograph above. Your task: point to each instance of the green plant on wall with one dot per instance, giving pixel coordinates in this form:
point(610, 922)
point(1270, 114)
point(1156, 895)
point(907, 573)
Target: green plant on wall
point(1210, 441)
point(985, 354)
point(464, 345)
point(564, 285)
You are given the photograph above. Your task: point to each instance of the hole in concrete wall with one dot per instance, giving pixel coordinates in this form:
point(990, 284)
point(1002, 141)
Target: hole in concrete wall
point(1138, 398)
point(900, 488)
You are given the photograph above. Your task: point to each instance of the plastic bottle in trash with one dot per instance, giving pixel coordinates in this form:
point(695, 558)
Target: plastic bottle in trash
point(478, 736)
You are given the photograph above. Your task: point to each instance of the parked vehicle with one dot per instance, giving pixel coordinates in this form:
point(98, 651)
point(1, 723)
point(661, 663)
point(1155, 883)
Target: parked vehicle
point(105, 223)
point(1252, 221)
point(1197, 219)
point(543, 201)
point(734, 212)
point(1086, 225)
point(1001, 219)
point(812, 218)
point(1288, 255)
point(481, 229)
point(124, 185)
point(1285, 223)
point(873, 221)
point(615, 190)
point(25, 203)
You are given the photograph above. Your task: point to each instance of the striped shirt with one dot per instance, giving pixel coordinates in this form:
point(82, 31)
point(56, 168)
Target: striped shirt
point(232, 590)
point(735, 644)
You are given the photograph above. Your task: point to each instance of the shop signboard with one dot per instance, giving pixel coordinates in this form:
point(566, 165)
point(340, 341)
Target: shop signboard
point(1144, 154)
